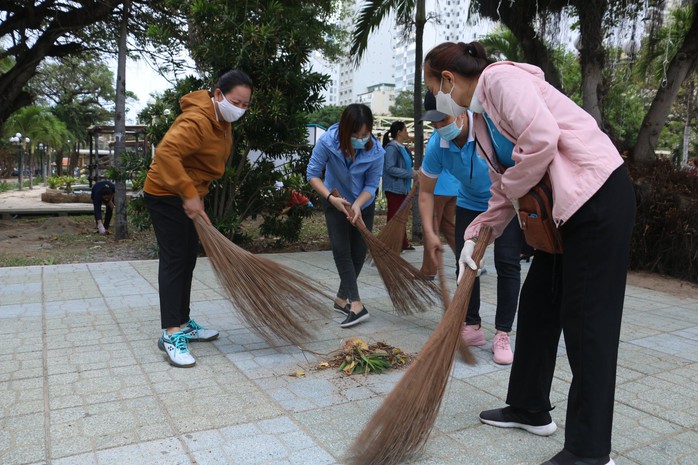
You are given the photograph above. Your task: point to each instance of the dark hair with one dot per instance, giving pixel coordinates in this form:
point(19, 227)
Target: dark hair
point(106, 190)
point(354, 117)
point(231, 79)
point(396, 127)
point(468, 60)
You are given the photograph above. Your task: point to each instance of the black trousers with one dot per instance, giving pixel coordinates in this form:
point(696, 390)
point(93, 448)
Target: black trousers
point(507, 262)
point(178, 246)
point(348, 248)
point(580, 294)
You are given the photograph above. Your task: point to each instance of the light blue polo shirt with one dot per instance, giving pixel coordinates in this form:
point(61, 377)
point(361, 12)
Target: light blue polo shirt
point(446, 185)
point(464, 164)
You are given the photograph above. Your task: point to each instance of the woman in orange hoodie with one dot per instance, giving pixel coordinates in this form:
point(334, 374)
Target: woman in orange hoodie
point(191, 155)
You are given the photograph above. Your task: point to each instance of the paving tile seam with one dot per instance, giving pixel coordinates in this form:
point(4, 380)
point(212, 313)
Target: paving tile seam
point(44, 363)
point(161, 404)
point(171, 422)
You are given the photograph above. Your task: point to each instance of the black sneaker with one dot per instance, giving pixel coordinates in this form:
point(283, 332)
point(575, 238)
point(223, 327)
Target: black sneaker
point(568, 458)
point(354, 318)
point(343, 310)
point(539, 423)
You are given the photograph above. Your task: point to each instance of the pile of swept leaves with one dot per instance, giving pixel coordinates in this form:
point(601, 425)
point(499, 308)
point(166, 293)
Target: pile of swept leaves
point(357, 356)
point(665, 238)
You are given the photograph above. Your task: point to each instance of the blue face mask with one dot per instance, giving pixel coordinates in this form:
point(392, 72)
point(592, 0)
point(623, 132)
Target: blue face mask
point(359, 143)
point(450, 131)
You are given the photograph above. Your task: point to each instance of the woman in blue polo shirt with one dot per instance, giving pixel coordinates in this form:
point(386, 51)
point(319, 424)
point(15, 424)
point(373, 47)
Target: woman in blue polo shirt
point(452, 148)
point(353, 162)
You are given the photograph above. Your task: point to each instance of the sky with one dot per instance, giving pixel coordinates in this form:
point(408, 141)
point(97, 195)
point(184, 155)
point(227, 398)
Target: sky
point(142, 80)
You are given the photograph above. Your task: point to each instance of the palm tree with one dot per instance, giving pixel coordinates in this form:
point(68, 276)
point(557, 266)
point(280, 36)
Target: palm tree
point(409, 14)
point(40, 125)
point(502, 44)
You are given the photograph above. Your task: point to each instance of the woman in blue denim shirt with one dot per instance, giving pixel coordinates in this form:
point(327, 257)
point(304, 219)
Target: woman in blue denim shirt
point(353, 163)
point(397, 171)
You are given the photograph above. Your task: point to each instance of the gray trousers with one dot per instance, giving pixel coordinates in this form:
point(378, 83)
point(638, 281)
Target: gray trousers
point(348, 248)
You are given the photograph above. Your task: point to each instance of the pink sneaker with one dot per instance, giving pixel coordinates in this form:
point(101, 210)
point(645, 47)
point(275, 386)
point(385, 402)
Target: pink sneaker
point(472, 336)
point(502, 349)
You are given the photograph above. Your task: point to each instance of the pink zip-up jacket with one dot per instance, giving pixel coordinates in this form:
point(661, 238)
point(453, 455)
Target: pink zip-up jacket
point(550, 133)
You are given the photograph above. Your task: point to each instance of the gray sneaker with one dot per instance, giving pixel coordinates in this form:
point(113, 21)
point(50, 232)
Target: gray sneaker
point(198, 333)
point(176, 346)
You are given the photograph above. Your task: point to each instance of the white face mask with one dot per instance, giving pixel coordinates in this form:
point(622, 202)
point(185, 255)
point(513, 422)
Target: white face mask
point(230, 112)
point(446, 104)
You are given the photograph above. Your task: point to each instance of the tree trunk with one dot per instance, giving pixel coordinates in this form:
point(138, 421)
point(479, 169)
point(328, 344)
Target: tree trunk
point(592, 55)
point(420, 21)
point(687, 126)
point(120, 220)
point(519, 17)
point(680, 67)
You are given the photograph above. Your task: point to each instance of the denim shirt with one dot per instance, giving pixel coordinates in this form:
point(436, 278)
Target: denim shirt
point(396, 175)
point(349, 178)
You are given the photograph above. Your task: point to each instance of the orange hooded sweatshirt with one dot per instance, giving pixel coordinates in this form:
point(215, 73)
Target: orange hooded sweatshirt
point(193, 152)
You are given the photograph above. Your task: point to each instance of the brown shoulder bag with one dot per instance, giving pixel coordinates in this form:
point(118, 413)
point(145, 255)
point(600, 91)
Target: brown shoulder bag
point(536, 218)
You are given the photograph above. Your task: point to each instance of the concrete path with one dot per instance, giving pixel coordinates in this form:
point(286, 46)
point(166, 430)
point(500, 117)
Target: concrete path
point(82, 381)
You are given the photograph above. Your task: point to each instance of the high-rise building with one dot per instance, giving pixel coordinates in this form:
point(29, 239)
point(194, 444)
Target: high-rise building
point(390, 58)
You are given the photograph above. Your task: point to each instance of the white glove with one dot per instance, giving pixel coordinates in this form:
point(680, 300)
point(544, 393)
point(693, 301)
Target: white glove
point(101, 229)
point(466, 259)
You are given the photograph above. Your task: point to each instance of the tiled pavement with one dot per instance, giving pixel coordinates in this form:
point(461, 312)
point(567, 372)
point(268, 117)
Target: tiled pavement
point(82, 381)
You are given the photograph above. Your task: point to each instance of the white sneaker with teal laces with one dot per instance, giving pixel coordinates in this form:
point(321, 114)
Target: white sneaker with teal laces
point(197, 333)
point(177, 349)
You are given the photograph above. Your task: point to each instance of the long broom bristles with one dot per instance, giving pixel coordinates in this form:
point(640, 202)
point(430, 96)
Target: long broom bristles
point(402, 424)
point(394, 230)
point(273, 300)
point(408, 288)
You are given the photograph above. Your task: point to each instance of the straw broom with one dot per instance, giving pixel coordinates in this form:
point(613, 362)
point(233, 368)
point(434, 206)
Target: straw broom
point(402, 424)
point(394, 230)
point(408, 288)
point(276, 301)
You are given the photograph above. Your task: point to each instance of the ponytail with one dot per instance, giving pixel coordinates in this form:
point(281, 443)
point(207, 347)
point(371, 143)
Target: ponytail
point(466, 59)
point(391, 133)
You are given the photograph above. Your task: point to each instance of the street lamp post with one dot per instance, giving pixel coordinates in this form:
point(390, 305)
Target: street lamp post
point(17, 139)
point(42, 153)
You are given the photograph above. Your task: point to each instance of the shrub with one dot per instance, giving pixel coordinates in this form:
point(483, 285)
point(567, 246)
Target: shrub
point(665, 238)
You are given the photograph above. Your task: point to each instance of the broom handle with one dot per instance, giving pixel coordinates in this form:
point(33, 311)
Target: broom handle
point(360, 222)
point(464, 289)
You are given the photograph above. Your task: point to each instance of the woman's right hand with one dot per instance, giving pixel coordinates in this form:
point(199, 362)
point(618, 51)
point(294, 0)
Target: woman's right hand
point(432, 245)
point(194, 209)
point(338, 203)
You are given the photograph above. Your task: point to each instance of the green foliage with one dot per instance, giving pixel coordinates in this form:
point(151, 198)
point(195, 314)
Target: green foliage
point(262, 38)
point(80, 90)
point(501, 44)
point(657, 49)
point(54, 182)
point(404, 104)
point(623, 109)
point(326, 116)
point(39, 124)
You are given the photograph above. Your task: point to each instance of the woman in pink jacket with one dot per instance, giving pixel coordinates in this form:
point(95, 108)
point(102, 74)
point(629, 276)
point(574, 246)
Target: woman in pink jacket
point(580, 292)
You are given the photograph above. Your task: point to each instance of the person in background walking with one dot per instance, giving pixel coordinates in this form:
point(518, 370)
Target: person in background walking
point(353, 161)
point(578, 293)
point(192, 153)
point(103, 194)
point(397, 171)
